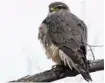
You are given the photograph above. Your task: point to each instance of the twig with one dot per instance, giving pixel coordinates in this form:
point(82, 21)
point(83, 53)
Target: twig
point(91, 51)
point(96, 45)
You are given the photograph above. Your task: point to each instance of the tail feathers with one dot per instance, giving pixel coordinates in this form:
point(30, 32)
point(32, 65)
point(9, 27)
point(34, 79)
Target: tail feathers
point(85, 75)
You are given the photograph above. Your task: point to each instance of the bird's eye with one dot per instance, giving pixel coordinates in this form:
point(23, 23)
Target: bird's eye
point(52, 9)
point(60, 6)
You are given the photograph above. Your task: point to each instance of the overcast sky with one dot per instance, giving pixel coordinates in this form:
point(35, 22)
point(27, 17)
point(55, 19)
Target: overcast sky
point(20, 50)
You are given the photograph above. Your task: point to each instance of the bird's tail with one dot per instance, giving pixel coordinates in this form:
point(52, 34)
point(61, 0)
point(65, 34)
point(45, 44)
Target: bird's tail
point(85, 74)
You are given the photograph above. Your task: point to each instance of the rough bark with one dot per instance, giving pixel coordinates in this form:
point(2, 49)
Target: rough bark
point(60, 72)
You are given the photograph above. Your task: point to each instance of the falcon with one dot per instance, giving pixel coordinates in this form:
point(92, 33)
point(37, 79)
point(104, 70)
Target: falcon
point(64, 38)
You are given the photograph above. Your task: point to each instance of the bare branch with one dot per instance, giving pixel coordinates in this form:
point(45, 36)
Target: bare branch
point(60, 72)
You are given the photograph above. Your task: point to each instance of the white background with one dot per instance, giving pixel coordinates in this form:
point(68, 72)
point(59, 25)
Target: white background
point(20, 51)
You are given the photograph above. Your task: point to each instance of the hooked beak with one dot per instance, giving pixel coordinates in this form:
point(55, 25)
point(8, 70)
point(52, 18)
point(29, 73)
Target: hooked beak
point(52, 9)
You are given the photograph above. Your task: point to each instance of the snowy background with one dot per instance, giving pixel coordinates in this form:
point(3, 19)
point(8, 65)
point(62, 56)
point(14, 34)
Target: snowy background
point(20, 51)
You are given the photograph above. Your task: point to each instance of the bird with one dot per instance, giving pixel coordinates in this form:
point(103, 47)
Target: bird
point(64, 37)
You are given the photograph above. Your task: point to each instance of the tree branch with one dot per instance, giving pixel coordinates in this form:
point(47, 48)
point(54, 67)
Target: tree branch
point(60, 72)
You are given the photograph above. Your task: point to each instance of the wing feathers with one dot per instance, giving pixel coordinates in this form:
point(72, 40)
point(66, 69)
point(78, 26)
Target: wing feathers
point(69, 33)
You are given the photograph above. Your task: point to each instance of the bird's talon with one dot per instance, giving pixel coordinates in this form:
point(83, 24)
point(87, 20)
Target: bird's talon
point(57, 66)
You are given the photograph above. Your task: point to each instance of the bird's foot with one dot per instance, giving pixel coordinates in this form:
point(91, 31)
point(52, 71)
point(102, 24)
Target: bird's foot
point(58, 66)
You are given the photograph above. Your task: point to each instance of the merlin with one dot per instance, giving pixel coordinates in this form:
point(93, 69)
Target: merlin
point(64, 37)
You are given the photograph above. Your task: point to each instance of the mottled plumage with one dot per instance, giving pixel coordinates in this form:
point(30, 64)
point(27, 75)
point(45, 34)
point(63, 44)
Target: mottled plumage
point(64, 37)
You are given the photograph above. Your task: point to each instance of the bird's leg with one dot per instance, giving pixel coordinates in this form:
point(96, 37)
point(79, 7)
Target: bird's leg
point(57, 66)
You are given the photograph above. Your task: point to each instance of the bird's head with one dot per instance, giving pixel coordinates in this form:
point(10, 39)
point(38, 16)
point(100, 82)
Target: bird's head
point(57, 6)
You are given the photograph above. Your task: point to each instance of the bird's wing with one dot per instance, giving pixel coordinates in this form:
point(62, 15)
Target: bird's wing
point(82, 26)
point(67, 32)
